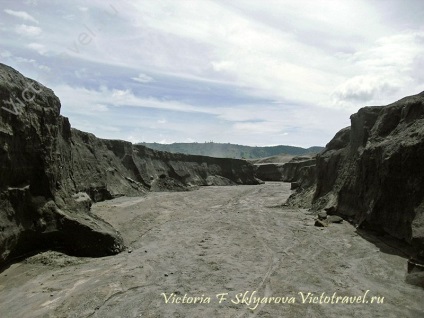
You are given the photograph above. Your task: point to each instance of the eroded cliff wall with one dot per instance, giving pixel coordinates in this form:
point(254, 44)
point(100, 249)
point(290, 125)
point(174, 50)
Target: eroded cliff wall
point(35, 210)
point(373, 171)
point(50, 174)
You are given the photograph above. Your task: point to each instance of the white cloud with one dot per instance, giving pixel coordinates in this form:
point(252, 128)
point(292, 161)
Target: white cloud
point(243, 122)
point(69, 17)
point(263, 59)
point(44, 68)
point(24, 60)
point(388, 71)
point(319, 60)
point(22, 15)
point(263, 127)
point(87, 99)
point(391, 52)
point(143, 78)
point(28, 30)
point(41, 49)
point(223, 65)
point(32, 2)
point(5, 53)
point(360, 89)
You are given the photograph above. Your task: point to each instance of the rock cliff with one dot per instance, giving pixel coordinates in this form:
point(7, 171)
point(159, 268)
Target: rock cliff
point(292, 171)
point(36, 210)
point(270, 171)
point(50, 174)
point(373, 171)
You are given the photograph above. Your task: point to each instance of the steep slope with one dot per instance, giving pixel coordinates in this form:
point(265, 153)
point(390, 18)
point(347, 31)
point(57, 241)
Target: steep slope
point(36, 211)
point(109, 168)
point(373, 171)
point(50, 174)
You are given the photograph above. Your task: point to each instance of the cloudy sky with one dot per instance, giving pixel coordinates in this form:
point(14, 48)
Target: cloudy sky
point(241, 71)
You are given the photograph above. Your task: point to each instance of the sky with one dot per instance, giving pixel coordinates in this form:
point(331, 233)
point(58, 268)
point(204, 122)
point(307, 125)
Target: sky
point(249, 72)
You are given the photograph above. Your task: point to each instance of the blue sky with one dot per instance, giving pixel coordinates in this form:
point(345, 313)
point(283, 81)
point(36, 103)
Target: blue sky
point(241, 71)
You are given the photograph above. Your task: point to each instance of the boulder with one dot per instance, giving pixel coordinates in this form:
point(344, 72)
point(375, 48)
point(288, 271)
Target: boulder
point(321, 223)
point(334, 219)
point(322, 215)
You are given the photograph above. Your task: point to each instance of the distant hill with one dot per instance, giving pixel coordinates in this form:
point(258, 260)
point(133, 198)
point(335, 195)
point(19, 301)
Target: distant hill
point(231, 150)
point(282, 158)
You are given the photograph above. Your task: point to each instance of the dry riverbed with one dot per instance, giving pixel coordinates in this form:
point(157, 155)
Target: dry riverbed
point(226, 248)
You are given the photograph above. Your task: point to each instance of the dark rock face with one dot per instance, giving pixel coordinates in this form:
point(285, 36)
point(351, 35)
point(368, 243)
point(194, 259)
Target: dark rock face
point(189, 170)
point(300, 171)
point(110, 168)
point(296, 169)
point(50, 174)
point(291, 171)
point(270, 172)
point(302, 174)
point(37, 207)
point(373, 171)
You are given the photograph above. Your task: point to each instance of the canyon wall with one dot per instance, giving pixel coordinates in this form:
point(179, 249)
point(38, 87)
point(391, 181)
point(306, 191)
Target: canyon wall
point(50, 174)
point(373, 171)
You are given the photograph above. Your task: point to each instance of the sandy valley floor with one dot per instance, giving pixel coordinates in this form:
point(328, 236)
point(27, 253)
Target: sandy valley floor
point(223, 241)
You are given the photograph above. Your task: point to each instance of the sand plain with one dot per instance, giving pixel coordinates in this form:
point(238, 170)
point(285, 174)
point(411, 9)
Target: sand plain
point(216, 252)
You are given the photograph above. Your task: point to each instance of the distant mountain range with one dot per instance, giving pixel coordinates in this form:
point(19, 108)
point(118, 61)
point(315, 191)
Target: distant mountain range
point(231, 150)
